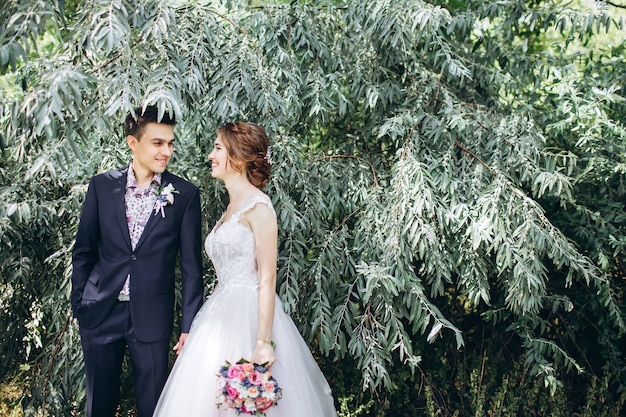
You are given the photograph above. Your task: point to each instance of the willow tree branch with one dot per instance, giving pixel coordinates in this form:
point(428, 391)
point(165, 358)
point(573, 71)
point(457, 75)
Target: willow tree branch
point(619, 6)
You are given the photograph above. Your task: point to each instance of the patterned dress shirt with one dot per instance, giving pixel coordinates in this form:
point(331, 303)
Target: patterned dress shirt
point(139, 205)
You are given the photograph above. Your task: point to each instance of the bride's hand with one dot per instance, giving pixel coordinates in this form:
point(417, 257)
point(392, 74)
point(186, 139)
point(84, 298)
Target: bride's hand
point(263, 353)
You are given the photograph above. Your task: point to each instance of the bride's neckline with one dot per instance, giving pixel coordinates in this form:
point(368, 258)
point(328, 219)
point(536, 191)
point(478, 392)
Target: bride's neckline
point(241, 206)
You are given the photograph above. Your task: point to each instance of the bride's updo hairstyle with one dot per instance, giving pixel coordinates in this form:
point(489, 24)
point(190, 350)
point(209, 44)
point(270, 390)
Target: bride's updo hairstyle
point(247, 146)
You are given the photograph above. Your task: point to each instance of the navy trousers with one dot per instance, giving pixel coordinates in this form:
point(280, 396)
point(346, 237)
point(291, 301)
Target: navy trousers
point(104, 348)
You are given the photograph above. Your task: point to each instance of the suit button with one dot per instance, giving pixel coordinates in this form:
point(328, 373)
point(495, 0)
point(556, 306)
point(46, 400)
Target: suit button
point(133, 257)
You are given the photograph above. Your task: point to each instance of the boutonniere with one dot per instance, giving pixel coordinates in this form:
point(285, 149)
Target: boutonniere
point(165, 197)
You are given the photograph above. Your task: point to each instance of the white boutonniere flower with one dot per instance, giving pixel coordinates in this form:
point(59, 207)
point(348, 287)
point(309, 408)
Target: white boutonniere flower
point(165, 197)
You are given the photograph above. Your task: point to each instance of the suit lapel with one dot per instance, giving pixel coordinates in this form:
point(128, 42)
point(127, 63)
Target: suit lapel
point(152, 221)
point(119, 192)
point(154, 217)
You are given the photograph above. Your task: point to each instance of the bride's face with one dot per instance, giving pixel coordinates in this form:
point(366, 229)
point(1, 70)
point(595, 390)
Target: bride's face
point(219, 160)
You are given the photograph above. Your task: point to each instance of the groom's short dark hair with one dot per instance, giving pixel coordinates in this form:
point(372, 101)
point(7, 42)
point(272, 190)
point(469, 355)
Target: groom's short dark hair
point(137, 119)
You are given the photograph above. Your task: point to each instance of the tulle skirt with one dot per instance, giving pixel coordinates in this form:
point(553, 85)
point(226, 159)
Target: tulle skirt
point(225, 329)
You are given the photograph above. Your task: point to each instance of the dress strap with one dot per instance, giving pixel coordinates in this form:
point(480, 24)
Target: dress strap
point(260, 198)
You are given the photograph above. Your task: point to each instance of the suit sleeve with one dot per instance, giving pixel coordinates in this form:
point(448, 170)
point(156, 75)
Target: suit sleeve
point(191, 261)
point(85, 251)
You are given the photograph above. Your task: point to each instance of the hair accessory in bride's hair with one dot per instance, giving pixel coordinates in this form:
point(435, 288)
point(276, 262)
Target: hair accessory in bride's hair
point(268, 155)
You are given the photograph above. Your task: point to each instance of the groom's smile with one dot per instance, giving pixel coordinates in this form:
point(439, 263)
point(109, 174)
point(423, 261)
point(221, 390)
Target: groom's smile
point(152, 150)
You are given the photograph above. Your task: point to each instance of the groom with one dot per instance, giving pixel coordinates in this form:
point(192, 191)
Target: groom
point(134, 225)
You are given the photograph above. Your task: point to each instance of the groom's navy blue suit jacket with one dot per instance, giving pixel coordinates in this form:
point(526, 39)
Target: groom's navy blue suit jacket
point(103, 257)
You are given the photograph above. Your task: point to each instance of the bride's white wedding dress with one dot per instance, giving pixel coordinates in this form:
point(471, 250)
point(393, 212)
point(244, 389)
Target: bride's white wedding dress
point(225, 329)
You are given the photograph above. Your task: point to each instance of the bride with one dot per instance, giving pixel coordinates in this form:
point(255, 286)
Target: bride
point(243, 318)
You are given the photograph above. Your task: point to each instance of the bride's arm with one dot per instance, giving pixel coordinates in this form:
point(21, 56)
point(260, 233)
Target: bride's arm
point(262, 221)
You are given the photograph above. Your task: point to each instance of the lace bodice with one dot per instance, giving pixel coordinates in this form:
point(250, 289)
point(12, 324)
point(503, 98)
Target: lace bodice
point(230, 246)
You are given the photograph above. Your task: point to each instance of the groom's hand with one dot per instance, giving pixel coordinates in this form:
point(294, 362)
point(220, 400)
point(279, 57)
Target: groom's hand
point(178, 347)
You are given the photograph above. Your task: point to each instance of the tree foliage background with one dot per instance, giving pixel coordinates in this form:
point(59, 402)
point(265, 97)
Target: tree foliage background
point(448, 176)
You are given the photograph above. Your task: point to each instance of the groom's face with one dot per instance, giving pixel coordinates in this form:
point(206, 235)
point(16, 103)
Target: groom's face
point(153, 150)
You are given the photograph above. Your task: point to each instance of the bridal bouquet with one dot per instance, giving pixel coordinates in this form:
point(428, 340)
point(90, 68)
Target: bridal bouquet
point(247, 387)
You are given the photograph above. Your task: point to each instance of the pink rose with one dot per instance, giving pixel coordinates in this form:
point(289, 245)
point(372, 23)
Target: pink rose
point(269, 386)
point(232, 392)
point(247, 367)
point(255, 378)
point(263, 403)
point(235, 371)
